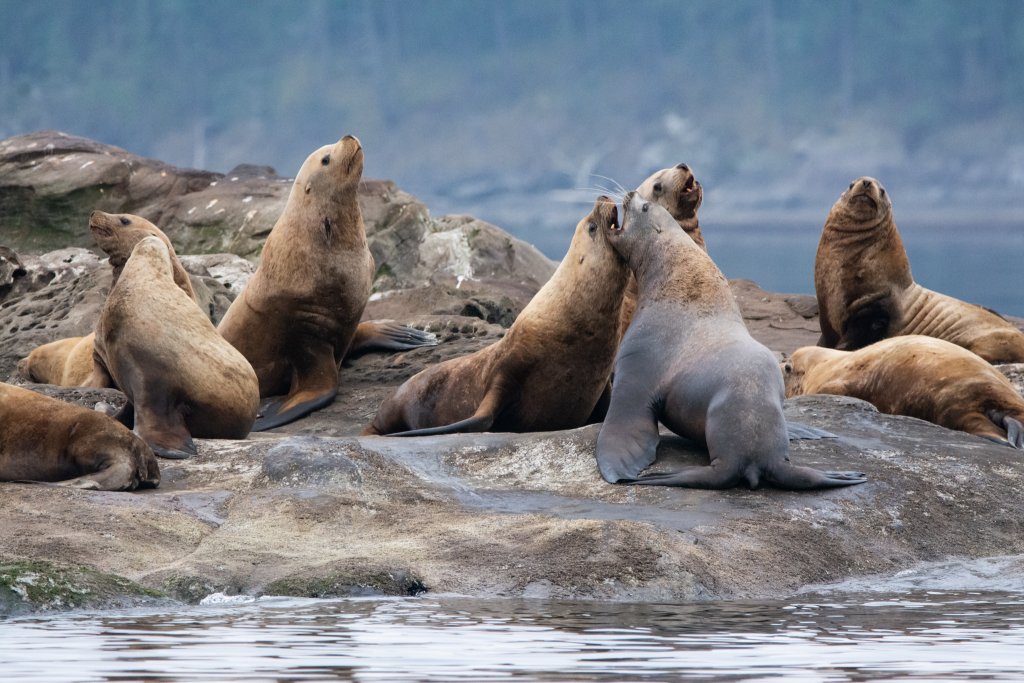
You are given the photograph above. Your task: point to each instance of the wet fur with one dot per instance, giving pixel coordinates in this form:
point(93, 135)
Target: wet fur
point(688, 361)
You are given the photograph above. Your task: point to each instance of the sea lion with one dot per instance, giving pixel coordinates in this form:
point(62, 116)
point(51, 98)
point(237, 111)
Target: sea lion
point(181, 378)
point(919, 376)
point(688, 361)
point(65, 362)
point(298, 316)
point(866, 292)
point(550, 369)
point(46, 440)
point(681, 194)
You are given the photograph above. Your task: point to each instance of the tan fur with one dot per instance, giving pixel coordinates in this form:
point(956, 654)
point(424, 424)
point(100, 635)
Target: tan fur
point(181, 376)
point(681, 194)
point(296, 318)
point(68, 362)
point(914, 375)
point(46, 440)
point(862, 265)
point(550, 370)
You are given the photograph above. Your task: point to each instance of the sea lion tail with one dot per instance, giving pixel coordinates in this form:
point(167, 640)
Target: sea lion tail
point(797, 478)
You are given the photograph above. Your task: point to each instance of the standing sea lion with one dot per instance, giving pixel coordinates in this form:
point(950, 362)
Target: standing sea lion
point(551, 368)
point(919, 376)
point(68, 362)
point(681, 194)
point(180, 376)
point(866, 292)
point(298, 316)
point(43, 439)
point(688, 361)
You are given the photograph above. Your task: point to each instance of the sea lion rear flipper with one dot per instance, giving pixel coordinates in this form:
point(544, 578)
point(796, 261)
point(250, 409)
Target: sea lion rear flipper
point(387, 335)
point(628, 441)
point(1014, 429)
point(796, 478)
point(480, 421)
point(797, 431)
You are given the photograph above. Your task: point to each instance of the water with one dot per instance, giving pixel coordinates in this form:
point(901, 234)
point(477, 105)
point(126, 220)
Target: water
point(918, 635)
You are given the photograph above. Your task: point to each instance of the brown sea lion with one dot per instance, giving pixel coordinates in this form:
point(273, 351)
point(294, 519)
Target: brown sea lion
point(681, 194)
point(65, 362)
point(866, 292)
point(298, 316)
point(68, 362)
point(181, 378)
point(688, 361)
point(551, 368)
point(46, 440)
point(919, 376)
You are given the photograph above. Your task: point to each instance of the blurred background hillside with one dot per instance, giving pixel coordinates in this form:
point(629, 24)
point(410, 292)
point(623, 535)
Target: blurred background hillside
point(516, 111)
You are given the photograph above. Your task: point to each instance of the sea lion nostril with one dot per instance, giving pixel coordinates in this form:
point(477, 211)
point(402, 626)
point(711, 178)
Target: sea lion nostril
point(867, 184)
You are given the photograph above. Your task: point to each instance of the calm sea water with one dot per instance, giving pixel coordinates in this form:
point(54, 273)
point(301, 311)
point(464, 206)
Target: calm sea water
point(931, 635)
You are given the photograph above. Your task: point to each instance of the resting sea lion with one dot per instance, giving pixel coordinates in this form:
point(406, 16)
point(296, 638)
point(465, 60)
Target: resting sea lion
point(180, 376)
point(298, 316)
point(688, 361)
point(681, 194)
point(866, 291)
point(551, 368)
point(46, 440)
point(919, 376)
point(65, 362)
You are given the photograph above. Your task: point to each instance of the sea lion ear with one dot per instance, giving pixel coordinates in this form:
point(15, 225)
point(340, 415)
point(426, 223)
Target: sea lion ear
point(309, 186)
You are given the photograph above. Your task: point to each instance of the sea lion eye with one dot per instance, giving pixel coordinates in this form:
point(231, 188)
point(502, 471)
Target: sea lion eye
point(645, 207)
point(124, 221)
point(326, 160)
point(658, 187)
point(883, 191)
point(592, 227)
point(788, 368)
point(850, 187)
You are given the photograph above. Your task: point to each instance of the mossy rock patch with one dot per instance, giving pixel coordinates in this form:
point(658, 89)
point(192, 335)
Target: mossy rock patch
point(40, 586)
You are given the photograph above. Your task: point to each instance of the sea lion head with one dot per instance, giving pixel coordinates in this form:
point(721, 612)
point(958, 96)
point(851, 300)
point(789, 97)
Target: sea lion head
point(795, 368)
point(591, 243)
point(330, 171)
point(676, 189)
point(644, 225)
point(864, 205)
point(118, 233)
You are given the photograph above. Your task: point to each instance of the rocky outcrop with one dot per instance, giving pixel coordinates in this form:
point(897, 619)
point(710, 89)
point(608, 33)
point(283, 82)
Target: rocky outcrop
point(50, 182)
point(312, 509)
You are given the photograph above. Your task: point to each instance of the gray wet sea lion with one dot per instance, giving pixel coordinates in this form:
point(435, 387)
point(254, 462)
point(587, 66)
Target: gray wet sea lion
point(688, 361)
point(866, 291)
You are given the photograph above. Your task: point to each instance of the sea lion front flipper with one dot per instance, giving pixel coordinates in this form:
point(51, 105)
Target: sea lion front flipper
point(118, 476)
point(869, 321)
point(1014, 429)
point(797, 431)
point(628, 441)
point(165, 432)
point(387, 335)
point(314, 385)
